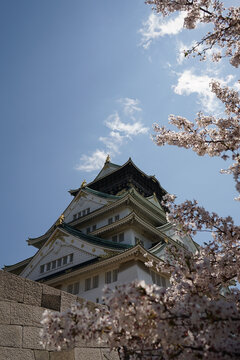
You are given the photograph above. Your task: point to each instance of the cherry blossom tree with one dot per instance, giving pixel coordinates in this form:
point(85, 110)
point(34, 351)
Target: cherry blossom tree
point(198, 315)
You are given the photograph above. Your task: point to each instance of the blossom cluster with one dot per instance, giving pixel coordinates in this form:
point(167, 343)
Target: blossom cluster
point(188, 320)
point(209, 135)
point(225, 21)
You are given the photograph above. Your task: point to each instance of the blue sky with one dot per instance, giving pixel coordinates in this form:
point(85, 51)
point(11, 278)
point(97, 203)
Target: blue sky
point(83, 79)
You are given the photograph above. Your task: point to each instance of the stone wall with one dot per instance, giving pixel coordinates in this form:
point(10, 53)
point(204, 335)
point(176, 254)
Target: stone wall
point(22, 303)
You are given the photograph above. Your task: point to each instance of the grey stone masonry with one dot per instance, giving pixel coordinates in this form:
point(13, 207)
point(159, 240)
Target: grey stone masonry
point(22, 303)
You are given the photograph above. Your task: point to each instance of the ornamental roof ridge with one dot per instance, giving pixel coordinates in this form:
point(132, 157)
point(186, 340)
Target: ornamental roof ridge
point(93, 239)
point(32, 241)
point(131, 193)
point(132, 216)
point(18, 264)
point(157, 247)
point(101, 262)
point(101, 194)
point(145, 200)
point(107, 165)
point(127, 196)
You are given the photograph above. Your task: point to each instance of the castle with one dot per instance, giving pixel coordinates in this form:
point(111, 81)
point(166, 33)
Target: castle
point(104, 235)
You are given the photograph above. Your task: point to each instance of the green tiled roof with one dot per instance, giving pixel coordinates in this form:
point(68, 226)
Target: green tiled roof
point(94, 239)
point(102, 194)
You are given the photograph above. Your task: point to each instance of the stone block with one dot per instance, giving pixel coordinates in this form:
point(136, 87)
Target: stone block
point(16, 354)
point(32, 293)
point(63, 355)
point(109, 355)
point(31, 338)
point(49, 290)
point(11, 286)
point(51, 298)
point(41, 355)
point(87, 354)
point(22, 314)
point(11, 335)
point(51, 301)
point(67, 300)
point(5, 312)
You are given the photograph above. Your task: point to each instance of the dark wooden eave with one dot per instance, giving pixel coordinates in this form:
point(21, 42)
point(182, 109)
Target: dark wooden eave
point(125, 177)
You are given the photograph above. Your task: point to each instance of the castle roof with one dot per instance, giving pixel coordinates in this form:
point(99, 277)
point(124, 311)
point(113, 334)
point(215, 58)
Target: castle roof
point(114, 178)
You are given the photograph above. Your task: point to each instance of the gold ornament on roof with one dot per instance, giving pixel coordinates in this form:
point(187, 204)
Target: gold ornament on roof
point(107, 159)
point(60, 220)
point(84, 183)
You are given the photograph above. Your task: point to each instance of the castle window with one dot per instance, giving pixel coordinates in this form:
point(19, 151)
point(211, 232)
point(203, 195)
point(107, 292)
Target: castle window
point(79, 214)
point(59, 262)
point(56, 263)
point(95, 282)
point(115, 275)
point(74, 216)
point(83, 212)
point(116, 217)
point(118, 238)
point(70, 288)
point(108, 277)
point(111, 276)
point(73, 288)
point(76, 288)
point(110, 220)
point(158, 279)
point(87, 284)
point(88, 210)
point(88, 230)
point(121, 237)
point(94, 227)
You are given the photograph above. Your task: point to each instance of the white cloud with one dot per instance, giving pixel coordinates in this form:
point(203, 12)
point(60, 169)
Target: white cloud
point(156, 26)
point(113, 141)
point(92, 162)
point(189, 83)
point(123, 126)
point(128, 129)
point(236, 85)
point(130, 106)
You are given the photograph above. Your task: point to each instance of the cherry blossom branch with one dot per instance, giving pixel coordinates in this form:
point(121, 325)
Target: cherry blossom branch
point(225, 23)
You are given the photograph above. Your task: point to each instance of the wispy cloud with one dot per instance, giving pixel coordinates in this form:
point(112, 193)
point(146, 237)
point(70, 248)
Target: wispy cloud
point(156, 26)
point(130, 106)
point(129, 129)
point(123, 125)
point(93, 161)
point(189, 83)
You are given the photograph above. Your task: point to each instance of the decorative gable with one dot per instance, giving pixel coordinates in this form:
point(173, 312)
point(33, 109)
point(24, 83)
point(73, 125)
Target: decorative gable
point(154, 200)
point(83, 204)
point(183, 240)
point(62, 251)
